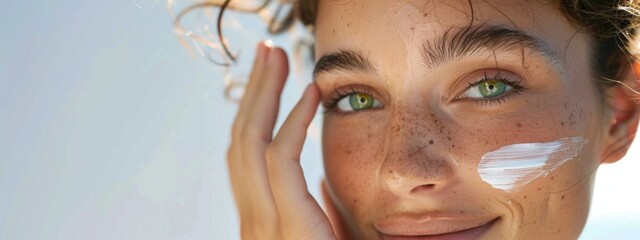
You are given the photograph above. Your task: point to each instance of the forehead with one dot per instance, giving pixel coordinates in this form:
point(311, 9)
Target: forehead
point(400, 26)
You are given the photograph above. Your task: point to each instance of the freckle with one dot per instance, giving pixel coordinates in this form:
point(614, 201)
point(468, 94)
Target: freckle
point(562, 197)
point(424, 15)
point(453, 146)
point(349, 152)
point(519, 124)
point(461, 212)
point(355, 200)
point(525, 196)
point(430, 141)
point(552, 178)
point(562, 123)
point(449, 138)
point(539, 189)
point(413, 28)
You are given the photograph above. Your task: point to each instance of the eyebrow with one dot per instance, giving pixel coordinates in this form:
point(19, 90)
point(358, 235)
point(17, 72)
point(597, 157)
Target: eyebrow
point(455, 43)
point(343, 60)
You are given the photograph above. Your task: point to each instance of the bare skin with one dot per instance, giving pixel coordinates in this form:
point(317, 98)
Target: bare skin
point(267, 179)
point(414, 157)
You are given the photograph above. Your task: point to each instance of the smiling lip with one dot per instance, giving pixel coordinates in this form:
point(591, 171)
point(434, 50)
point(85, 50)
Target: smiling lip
point(407, 227)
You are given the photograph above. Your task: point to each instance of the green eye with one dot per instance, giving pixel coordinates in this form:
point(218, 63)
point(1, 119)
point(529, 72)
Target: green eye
point(488, 89)
point(358, 101)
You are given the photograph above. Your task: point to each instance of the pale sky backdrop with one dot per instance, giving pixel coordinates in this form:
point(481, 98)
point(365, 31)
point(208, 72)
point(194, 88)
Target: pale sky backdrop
point(110, 130)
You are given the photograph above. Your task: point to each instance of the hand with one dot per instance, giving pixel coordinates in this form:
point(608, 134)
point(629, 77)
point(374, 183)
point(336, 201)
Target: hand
point(268, 184)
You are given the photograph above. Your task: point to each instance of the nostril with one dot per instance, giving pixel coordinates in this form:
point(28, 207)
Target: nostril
point(424, 187)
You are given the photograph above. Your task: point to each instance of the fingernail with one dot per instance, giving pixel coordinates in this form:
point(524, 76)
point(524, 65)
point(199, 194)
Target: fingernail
point(272, 56)
point(268, 43)
point(261, 50)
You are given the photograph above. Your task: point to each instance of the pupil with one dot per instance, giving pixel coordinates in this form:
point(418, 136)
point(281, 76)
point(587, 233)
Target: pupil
point(362, 100)
point(491, 87)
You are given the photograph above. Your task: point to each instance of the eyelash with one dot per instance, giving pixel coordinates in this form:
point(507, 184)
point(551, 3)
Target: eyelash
point(516, 85)
point(343, 92)
point(517, 88)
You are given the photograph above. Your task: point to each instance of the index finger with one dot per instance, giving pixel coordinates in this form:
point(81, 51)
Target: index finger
point(300, 214)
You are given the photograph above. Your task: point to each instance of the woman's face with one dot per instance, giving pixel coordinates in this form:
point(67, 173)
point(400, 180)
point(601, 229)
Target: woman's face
point(441, 119)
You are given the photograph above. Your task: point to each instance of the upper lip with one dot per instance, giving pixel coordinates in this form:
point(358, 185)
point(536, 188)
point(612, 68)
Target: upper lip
point(430, 224)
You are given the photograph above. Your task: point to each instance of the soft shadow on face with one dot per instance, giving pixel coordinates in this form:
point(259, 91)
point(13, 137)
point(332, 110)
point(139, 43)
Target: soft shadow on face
point(413, 160)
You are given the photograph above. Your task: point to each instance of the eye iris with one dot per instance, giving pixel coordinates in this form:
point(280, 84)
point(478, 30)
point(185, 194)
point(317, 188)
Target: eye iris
point(360, 101)
point(492, 88)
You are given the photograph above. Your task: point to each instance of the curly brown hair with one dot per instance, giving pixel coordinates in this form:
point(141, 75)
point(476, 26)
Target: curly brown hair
point(612, 24)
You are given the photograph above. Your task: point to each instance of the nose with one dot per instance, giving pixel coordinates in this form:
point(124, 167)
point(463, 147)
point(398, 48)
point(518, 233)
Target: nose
point(415, 161)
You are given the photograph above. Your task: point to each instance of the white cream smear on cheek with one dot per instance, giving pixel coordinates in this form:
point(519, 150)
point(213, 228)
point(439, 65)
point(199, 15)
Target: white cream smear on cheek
point(514, 166)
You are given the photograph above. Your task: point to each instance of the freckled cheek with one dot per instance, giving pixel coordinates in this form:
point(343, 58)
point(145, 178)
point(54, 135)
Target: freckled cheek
point(537, 120)
point(351, 158)
point(555, 204)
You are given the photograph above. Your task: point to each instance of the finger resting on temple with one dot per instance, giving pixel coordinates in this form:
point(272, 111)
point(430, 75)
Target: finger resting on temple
point(300, 214)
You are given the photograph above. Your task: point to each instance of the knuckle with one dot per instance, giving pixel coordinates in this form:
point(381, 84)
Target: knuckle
point(253, 133)
point(247, 133)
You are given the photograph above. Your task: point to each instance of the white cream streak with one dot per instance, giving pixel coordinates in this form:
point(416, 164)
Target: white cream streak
point(513, 166)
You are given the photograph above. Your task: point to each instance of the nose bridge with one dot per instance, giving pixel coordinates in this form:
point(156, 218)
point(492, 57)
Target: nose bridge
point(414, 158)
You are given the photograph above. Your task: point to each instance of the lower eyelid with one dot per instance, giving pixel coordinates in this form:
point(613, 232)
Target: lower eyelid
point(493, 101)
point(335, 111)
point(496, 101)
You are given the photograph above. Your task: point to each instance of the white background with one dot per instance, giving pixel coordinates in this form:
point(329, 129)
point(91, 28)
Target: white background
point(110, 130)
